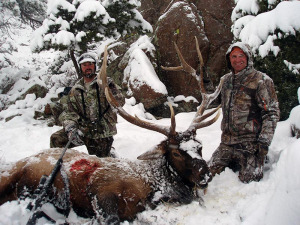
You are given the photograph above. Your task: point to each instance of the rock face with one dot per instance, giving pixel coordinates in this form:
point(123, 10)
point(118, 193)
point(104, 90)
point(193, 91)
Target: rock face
point(153, 9)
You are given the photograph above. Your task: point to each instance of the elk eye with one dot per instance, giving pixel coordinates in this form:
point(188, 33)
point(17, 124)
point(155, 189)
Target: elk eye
point(176, 154)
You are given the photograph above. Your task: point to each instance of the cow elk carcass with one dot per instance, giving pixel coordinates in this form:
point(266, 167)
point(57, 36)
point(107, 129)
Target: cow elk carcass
point(114, 189)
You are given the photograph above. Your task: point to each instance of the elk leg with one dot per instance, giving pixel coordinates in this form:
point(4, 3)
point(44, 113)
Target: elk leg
point(109, 205)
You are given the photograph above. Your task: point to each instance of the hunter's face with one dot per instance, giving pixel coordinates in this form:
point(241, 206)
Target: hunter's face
point(87, 68)
point(238, 60)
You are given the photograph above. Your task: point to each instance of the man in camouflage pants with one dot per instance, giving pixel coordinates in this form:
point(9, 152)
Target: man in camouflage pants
point(87, 115)
point(250, 114)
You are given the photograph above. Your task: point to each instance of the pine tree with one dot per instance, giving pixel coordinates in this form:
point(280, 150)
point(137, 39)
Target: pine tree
point(78, 25)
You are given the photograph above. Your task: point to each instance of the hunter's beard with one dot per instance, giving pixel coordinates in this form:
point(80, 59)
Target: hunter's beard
point(89, 73)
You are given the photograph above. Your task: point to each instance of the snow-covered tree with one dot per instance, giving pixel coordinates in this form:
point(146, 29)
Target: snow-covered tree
point(30, 11)
point(272, 29)
point(79, 24)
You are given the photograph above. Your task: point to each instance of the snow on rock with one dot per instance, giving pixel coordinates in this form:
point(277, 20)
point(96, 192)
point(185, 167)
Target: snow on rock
point(139, 70)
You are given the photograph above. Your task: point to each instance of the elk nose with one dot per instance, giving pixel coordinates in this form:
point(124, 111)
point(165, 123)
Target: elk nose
point(200, 165)
point(203, 184)
point(205, 179)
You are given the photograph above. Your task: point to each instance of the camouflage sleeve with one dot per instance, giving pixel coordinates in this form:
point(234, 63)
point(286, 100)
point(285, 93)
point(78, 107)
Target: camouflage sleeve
point(68, 117)
point(67, 120)
point(267, 101)
point(116, 90)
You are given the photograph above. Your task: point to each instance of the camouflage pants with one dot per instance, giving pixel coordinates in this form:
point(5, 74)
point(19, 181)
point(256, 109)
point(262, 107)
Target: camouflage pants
point(99, 147)
point(238, 157)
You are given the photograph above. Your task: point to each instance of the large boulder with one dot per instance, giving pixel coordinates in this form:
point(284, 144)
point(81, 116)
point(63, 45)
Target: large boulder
point(138, 77)
point(39, 91)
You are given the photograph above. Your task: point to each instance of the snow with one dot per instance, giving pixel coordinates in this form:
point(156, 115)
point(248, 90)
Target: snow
point(179, 98)
point(294, 118)
point(191, 146)
point(244, 6)
point(53, 6)
point(139, 70)
point(272, 201)
point(87, 7)
point(174, 5)
point(257, 30)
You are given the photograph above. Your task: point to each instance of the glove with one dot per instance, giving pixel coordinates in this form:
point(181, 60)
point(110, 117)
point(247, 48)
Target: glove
point(262, 152)
point(75, 135)
point(263, 149)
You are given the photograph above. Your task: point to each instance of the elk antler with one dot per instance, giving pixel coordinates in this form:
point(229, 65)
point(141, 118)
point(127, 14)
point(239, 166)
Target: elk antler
point(198, 121)
point(102, 81)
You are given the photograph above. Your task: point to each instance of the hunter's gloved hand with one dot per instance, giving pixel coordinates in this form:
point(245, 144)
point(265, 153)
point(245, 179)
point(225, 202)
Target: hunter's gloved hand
point(262, 151)
point(75, 135)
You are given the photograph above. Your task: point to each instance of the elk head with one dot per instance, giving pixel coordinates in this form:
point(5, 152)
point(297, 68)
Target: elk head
point(183, 152)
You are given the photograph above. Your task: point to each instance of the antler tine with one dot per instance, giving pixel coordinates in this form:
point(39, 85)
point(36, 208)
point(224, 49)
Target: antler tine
point(206, 123)
point(184, 65)
point(102, 80)
point(173, 122)
point(200, 81)
point(206, 101)
point(138, 122)
point(205, 116)
point(208, 98)
point(199, 121)
point(101, 77)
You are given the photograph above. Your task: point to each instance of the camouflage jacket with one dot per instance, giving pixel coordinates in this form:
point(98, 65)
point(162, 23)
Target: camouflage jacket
point(84, 111)
point(60, 106)
point(250, 106)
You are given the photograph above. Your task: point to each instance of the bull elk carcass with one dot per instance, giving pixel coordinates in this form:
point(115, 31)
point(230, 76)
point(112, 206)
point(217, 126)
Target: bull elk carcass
point(116, 189)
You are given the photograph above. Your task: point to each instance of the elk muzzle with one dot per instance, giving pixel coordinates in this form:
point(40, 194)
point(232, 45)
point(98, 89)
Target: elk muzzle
point(201, 174)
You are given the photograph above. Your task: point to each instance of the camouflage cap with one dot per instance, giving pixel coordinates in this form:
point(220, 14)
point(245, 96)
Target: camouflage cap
point(87, 57)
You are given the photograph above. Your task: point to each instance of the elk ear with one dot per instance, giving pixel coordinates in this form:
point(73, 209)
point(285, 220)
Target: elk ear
point(155, 153)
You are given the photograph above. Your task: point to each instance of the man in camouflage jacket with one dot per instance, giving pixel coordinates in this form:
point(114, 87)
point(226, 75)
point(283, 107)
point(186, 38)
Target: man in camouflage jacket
point(88, 117)
point(250, 114)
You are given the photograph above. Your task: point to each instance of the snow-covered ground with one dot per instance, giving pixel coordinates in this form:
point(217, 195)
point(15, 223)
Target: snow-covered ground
point(273, 200)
